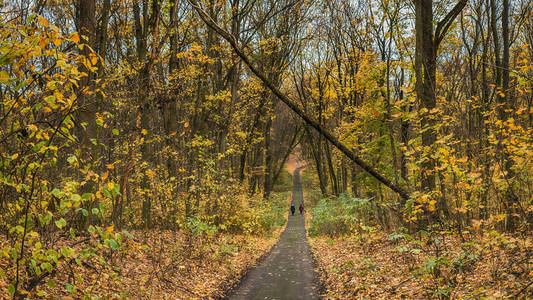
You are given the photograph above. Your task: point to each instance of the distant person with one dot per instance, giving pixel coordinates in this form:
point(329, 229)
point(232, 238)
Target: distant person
point(301, 208)
point(293, 209)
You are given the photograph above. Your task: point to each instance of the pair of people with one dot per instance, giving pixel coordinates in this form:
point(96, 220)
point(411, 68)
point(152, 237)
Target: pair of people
point(293, 209)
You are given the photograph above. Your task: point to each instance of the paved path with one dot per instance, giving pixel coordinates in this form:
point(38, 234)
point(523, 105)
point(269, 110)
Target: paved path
point(287, 272)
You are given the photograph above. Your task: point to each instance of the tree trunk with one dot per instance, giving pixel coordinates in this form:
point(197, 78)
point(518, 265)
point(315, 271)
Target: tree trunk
point(86, 114)
point(427, 44)
point(267, 184)
point(332, 175)
point(425, 64)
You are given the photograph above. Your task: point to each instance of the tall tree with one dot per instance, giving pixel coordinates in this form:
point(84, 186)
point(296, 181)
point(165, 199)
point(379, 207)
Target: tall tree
point(427, 45)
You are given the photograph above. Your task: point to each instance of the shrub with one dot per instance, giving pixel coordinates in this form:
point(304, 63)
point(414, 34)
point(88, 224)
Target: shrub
point(258, 216)
point(339, 216)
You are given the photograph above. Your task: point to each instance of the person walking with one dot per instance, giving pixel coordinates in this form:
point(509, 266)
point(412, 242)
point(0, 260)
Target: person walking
point(301, 208)
point(293, 209)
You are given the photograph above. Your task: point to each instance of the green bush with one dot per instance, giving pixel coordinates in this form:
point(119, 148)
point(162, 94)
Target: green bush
point(284, 182)
point(270, 213)
point(339, 216)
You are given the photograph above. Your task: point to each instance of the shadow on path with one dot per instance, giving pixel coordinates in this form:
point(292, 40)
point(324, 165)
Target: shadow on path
point(287, 272)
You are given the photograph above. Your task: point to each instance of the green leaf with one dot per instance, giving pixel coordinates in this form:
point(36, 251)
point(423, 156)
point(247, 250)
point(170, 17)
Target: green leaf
point(38, 106)
point(95, 211)
point(51, 283)
point(70, 288)
point(19, 229)
point(115, 131)
point(430, 264)
point(129, 235)
point(116, 190)
point(113, 244)
point(56, 192)
point(47, 218)
point(38, 146)
point(106, 192)
point(52, 255)
point(51, 100)
point(71, 159)
point(61, 223)
point(11, 289)
point(47, 266)
point(65, 251)
point(75, 198)
point(118, 237)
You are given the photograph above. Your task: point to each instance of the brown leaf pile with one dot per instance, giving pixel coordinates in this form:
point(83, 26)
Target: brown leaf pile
point(159, 265)
point(374, 266)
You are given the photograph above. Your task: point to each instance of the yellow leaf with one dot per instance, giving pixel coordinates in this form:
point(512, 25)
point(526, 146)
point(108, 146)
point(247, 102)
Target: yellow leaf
point(94, 59)
point(110, 228)
point(75, 37)
point(144, 132)
point(4, 77)
point(500, 217)
point(42, 21)
point(110, 185)
point(151, 174)
point(110, 166)
point(57, 42)
point(32, 127)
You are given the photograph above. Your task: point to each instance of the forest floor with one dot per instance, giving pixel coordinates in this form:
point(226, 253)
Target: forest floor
point(380, 266)
point(287, 272)
point(158, 264)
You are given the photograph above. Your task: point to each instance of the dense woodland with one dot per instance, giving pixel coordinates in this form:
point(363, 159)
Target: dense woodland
point(123, 121)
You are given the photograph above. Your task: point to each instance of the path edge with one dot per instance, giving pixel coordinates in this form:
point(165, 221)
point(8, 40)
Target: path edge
point(319, 283)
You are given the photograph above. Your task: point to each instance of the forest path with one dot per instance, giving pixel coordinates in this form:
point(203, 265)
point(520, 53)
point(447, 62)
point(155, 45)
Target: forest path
point(287, 272)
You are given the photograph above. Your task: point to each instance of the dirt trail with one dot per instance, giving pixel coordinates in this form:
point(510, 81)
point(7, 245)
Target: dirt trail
point(287, 272)
point(293, 163)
